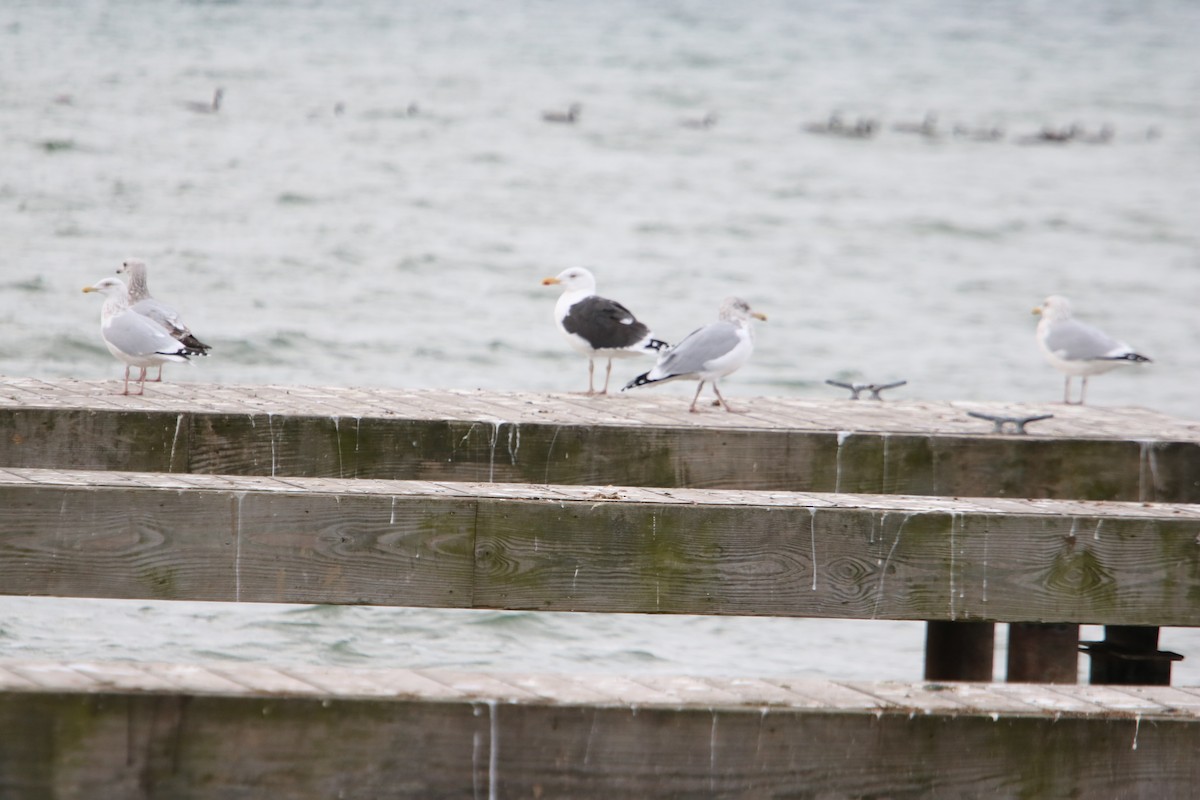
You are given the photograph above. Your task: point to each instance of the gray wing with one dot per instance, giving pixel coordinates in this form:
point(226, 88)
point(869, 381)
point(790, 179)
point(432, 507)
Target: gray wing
point(1077, 341)
point(163, 314)
point(136, 335)
point(697, 349)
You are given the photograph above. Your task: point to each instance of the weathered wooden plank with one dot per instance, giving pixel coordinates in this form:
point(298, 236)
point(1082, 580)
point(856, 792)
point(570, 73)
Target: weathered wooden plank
point(894, 740)
point(838, 562)
point(828, 446)
point(596, 549)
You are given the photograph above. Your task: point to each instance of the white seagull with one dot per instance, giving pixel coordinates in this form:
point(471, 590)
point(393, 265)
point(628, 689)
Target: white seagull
point(708, 353)
point(131, 337)
point(1076, 348)
point(141, 302)
point(597, 326)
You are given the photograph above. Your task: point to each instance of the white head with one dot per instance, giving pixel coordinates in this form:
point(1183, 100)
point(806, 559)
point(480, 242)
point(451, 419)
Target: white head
point(1054, 308)
point(134, 268)
point(574, 279)
point(735, 309)
point(109, 287)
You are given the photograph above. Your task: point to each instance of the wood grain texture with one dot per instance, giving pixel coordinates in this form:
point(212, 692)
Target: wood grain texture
point(516, 546)
point(891, 448)
point(236, 545)
point(895, 740)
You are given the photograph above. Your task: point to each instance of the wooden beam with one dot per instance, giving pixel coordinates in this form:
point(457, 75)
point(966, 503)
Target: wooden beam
point(685, 551)
point(183, 731)
point(779, 444)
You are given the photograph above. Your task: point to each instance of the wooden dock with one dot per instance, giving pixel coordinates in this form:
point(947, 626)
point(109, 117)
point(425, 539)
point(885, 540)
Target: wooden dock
point(846, 509)
point(569, 548)
point(863, 446)
point(241, 730)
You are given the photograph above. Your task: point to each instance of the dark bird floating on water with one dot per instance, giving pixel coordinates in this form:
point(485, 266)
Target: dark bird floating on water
point(207, 108)
point(570, 117)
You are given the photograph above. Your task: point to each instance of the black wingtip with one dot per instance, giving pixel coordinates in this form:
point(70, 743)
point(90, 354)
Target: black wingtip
point(195, 346)
point(1134, 358)
point(640, 380)
point(657, 344)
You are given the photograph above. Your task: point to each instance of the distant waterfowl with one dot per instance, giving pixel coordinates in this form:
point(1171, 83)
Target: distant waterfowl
point(703, 123)
point(1076, 348)
point(1048, 135)
point(132, 338)
point(140, 301)
point(569, 117)
point(863, 128)
point(926, 127)
point(596, 326)
point(833, 125)
point(1102, 136)
point(708, 353)
point(207, 108)
point(992, 134)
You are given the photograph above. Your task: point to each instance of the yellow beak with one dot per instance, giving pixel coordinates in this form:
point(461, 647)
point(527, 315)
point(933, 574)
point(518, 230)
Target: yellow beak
point(759, 315)
point(87, 289)
point(1037, 310)
point(550, 281)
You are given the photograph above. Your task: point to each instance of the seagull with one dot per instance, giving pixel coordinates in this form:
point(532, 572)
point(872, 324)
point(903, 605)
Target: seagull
point(161, 313)
point(708, 353)
point(131, 337)
point(570, 117)
point(1076, 348)
point(597, 326)
point(206, 108)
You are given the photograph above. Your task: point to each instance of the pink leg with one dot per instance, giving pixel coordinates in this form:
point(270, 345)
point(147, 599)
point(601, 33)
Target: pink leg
point(697, 397)
point(722, 399)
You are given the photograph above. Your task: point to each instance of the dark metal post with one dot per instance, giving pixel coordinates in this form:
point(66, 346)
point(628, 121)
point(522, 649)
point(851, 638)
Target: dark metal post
point(1129, 655)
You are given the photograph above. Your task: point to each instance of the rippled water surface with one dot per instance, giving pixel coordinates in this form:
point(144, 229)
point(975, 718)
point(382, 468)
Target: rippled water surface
point(378, 198)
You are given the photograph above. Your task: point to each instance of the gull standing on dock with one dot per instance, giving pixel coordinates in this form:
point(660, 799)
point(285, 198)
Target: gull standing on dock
point(1076, 348)
point(597, 326)
point(708, 353)
point(132, 338)
point(141, 302)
